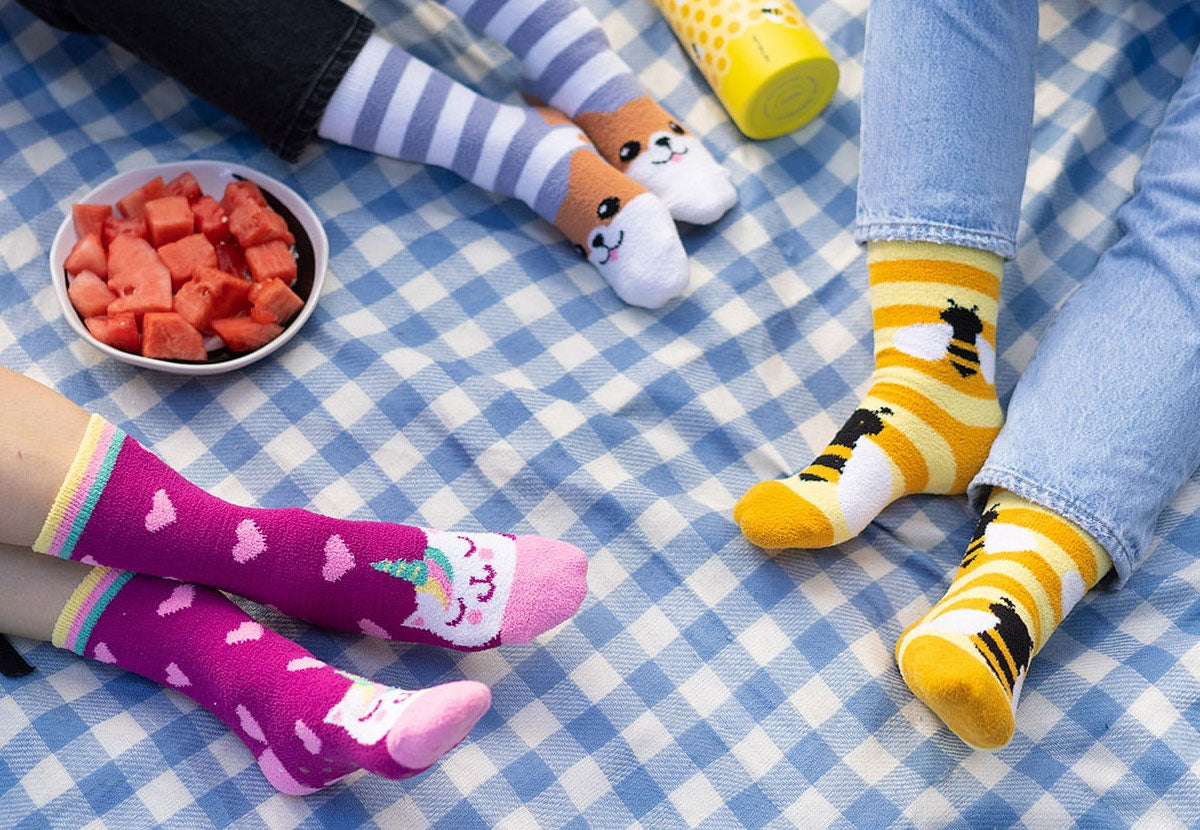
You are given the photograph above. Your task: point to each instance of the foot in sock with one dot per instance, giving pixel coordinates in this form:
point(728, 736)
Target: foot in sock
point(930, 414)
point(391, 103)
point(123, 507)
point(1023, 571)
point(307, 723)
point(568, 63)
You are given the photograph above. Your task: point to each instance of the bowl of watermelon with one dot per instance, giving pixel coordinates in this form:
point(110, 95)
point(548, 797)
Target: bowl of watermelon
point(194, 267)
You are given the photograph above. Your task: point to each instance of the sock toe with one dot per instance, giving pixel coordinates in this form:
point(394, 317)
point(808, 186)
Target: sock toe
point(959, 689)
point(436, 721)
point(650, 266)
point(706, 206)
point(773, 516)
point(548, 587)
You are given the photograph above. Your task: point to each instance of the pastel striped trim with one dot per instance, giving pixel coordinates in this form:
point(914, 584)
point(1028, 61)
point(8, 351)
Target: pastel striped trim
point(81, 489)
point(82, 611)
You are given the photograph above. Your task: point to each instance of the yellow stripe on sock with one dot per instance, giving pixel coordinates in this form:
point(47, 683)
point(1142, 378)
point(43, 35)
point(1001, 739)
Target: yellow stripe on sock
point(87, 448)
point(74, 603)
point(932, 295)
point(939, 462)
point(901, 250)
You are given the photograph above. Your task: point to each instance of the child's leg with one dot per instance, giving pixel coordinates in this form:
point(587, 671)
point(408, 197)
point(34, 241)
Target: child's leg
point(569, 64)
point(307, 724)
point(1103, 428)
point(116, 504)
point(945, 136)
point(391, 103)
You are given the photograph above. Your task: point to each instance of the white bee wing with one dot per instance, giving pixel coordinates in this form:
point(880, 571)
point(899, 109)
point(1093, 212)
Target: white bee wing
point(1006, 537)
point(963, 621)
point(927, 341)
point(865, 487)
point(987, 359)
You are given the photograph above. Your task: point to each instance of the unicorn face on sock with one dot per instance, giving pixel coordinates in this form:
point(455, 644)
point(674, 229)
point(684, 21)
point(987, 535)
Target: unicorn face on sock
point(462, 584)
point(368, 710)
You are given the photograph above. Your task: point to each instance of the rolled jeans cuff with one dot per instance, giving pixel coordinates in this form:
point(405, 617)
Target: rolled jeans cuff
point(1003, 245)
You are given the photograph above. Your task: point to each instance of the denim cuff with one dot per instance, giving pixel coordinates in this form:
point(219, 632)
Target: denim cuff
point(999, 244)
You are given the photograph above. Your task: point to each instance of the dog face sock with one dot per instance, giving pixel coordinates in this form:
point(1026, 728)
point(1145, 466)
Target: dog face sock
point(929, 416)
point(307, 723)
point(121, 506)
point(391, 103)
point(568, 63)
point(967, 658)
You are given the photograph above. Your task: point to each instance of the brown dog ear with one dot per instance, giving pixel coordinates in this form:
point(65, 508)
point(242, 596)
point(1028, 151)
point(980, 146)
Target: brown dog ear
point(635, 120)
point(591, 182)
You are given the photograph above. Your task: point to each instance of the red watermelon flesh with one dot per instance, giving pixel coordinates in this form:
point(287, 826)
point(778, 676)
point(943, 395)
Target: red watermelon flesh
point(184, 185)
point(242, 334)
point(271, 261)
point(238, 192)
point(253, 224)
point(89, 218)
point(138, 277)
point(276, 299)
point(211, 294)
point(168, 219)
point(89, 294)
point(87, 255)
point(231, 258)
point(117, 330)
point(133, 204)
point(114, 227)
point(170, 337)
point(184, 256)
point(209, 219)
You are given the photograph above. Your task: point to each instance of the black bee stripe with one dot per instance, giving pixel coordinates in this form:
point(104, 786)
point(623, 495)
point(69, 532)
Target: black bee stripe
point(833, 462)
point(969, 355)
point(1001, 660)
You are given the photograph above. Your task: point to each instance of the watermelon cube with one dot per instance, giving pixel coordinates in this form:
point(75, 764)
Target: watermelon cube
point(276, 299)
point(242, 334)
point(89, 294)
point(184, 185)
point(260, 316)
point(238, 192)
point(114, 227)
point(231, 258)
point(184, 256)
point(137, 276)
point(210, 219)
point(87, 255)
point(117, 330)
point(133, 204)
point(168, 219)
point(253, 225)
point(271, 261)
point(90, 218)
point(211, 294)
point(170, 337)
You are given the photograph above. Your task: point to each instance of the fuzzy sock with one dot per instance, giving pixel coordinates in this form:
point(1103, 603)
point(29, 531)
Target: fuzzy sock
point(307, 724)
point(391, 103)
point(568, 63)
point(967, 659)
point(123, 507)
point(929, 416)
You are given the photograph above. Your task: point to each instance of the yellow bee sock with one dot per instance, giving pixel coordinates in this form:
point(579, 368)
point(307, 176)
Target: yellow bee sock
point(1024, 569)
point(929, 416)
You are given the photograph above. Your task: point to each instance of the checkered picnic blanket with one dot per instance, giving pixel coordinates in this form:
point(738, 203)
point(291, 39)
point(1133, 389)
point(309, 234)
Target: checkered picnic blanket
point(465, 369)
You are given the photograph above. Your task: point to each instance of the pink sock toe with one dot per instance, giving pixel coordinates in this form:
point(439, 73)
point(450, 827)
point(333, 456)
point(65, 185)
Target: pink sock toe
point(549, 584)
point(436, 721)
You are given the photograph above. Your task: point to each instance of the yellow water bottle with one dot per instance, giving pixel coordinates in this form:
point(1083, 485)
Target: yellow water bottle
point(769, 70)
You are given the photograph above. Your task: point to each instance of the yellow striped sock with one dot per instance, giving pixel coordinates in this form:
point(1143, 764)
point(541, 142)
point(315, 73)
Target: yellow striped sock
point(1024, 569)
point(929, 416)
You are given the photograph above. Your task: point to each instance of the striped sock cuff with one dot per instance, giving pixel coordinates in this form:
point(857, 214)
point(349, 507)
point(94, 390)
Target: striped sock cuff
point(902, 249)
point(81, 489)
point(82, 611)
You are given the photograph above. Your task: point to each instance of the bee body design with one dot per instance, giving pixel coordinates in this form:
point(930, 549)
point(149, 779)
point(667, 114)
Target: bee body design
point(957, 338)
point(830, 465)
point(999, 635)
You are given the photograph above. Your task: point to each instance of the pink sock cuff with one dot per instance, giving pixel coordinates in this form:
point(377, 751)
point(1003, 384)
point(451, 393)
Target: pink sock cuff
point(87, 603)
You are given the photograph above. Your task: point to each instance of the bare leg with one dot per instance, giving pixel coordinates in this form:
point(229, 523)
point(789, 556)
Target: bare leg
point(38, 439)
point(33, 590)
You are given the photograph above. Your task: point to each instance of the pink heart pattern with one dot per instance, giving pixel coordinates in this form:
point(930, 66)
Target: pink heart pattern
point(302, 663)
point(180, 599)
point(102, 653)
point(249, 724)
point(307, 737)
point(372, 628)
point(244, 633)
point(162, 512)
point(338, 559)
point(250, 542)
point(176, 677)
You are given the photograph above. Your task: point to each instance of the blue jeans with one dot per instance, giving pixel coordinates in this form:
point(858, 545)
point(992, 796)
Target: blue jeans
point(1104, 425)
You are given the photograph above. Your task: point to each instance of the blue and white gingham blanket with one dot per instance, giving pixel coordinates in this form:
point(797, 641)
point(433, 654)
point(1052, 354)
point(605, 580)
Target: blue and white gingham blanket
point(464, 368)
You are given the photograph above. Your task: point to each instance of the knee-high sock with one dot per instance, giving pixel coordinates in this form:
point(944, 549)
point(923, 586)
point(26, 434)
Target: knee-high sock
point(121, 506)
point(391, 103)
point(929, 416)
point(307, 723)
point(1023, 571)
point(569, 64)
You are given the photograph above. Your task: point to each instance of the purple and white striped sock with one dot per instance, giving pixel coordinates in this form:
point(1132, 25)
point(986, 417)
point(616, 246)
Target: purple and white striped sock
point(392, 103)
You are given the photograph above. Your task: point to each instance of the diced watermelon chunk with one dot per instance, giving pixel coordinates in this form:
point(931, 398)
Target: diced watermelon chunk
point(210, 219)
point(184, 256)
point(260, 316)
point(275, 298)
point(90, 218)
point(87, 255)
point(238, 192)
point(184, 185)
point(89, 294)
point(271, 261)
point(241, 334)
point(209, 295)
point(133, 204)
point(231, 258)
point(137, 276)
point(168, 219)
point(117, 330)
point(253, 225)
point(170, 337)
point(114, 227)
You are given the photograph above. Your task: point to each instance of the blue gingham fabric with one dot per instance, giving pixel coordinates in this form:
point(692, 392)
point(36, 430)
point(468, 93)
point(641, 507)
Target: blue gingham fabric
point(465, 369)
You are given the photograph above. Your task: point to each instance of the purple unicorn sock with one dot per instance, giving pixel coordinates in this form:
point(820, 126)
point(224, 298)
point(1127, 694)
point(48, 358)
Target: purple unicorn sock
point(307, 723)
point(122, 507)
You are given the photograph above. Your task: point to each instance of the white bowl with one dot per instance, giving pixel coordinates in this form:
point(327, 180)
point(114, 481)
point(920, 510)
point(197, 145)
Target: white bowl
point(212, 176)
